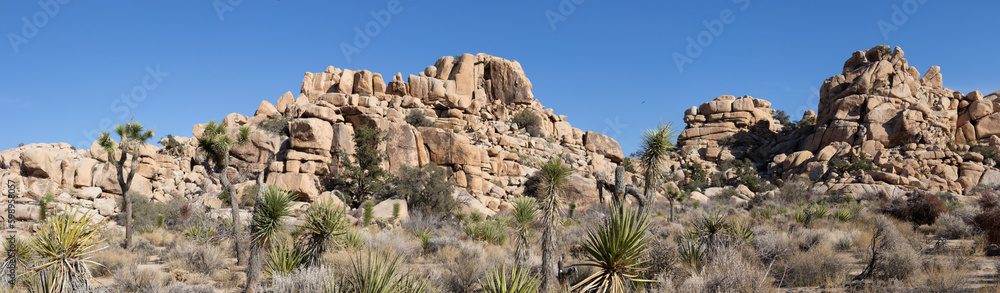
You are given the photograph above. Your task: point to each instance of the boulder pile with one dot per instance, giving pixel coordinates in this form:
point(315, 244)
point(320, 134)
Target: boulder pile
point(469, 101)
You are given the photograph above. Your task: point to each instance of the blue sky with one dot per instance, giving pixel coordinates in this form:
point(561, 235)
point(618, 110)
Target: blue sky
point(608, 65)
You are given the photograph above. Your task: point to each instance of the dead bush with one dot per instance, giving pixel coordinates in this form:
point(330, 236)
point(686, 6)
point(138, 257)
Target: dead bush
point(731, 271)
point(132, 278)
point(204, 259)
point(818, 266)
point(111, 259)
point(313, 279)
point(949, 226)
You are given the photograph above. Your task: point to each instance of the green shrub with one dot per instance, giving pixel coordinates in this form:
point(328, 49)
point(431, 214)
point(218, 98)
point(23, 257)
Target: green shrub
point(853, 164)
point(277, 125)
point(526, 119)
point(416, 118)
point(695, 177)
point(363, 177)
point(145, 212)
point(988, 151)
point(493, 231)
point(171, 146)
point(425, 189)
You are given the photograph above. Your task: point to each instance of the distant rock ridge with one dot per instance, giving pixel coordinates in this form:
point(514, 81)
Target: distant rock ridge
point(916, 132)
point(469, 99)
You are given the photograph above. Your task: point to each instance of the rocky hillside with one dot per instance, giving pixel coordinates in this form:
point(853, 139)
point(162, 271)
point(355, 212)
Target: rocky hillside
point(469, 101)
point(917, 134)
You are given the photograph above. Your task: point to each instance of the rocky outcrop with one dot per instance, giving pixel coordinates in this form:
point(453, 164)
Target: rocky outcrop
point(722, 117)
point(469, 100)
point(915, 132)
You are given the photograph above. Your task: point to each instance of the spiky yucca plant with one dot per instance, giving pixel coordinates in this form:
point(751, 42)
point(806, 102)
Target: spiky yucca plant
point(64, 245)
point(654, 150)
point(285, 257)
point(523, 219)
point(553, 178)
point(265, 229)
point(324, 223)
point(380, 272)
point(516, 279)
point(18, 254)
point(617, 248)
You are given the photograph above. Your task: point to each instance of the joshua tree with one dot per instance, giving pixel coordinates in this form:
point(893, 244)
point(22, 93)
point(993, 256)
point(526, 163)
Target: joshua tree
point(132, 136)
point(216, 143)
point(617, 248)
point(553, 177)
point(525, 213)
point(656, 146)
point(265, 229)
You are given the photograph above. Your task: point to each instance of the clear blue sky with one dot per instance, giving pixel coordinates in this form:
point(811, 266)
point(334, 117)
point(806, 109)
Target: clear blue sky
point(608, 65)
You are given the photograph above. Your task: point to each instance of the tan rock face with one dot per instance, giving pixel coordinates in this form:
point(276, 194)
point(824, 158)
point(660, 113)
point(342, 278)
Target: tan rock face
point(604, 145)
point(304, 185)
point(311, 134)
point(449, 148)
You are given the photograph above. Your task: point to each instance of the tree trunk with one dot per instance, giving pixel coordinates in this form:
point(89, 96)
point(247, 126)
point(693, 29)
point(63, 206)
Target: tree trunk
point(671, 209)
point(235, 209)
point(256, 261)
point(550, 272)
point(124, 184)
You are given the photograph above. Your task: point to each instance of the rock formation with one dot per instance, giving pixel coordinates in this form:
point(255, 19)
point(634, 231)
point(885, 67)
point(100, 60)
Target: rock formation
point(469, 98)
point(916, 132)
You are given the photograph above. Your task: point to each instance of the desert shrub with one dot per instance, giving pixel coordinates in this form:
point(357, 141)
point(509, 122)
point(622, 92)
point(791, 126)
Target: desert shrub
point(109, 260)
point(277, 125)
point(204, 259)
point(952, 227)
point(417, 119)
point(171, 146)
point(988, 151)
point(64, 245)
point(894, 257)
point(922, 208)
point(466, 263)
point(695, 177)
point(730, 271)
point(312, 279)
point(817, 266)
point(131, 278)
point(425, 189)
point(353, 239)
point(144, 211)
point(43, 206)
point(948, 274)
point(525, 119)
point(795, 190)
point(771, 245)
point(852, 164)
point(493, 231)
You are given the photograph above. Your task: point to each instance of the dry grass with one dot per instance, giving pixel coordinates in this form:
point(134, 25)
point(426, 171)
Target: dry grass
point(201, 258)
point(132, 278)
point(111, 259)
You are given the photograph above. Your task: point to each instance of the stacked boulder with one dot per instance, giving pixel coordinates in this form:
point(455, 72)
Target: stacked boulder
point(721, 118)
point(917, 134)
point(469, 99)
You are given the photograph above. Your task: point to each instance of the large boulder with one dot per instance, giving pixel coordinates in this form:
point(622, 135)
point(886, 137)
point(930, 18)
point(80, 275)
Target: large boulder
point(310, 134)
point(303, 185)
point(383, 210)
point(447, 147)
point(604, 145)
point(402, 146)
point(37, 162)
